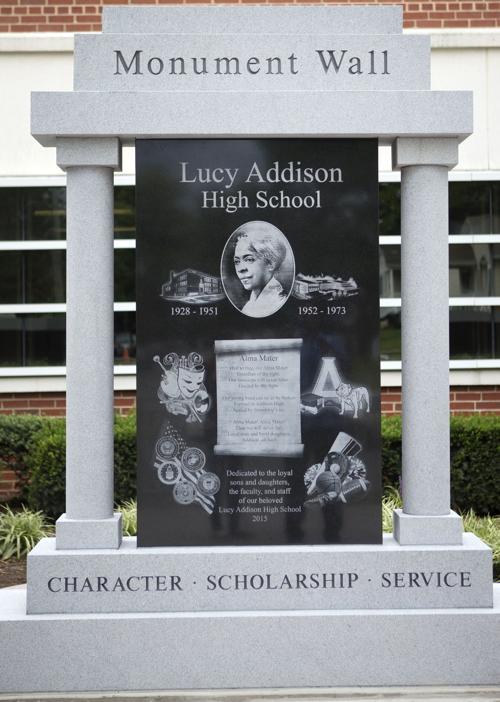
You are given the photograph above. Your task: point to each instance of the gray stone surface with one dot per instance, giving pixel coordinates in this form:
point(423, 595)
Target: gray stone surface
point(88, 533)
point(129, 62)
point(248, 578)
point(203, 19)
point(89, 345)
point(424, 152)
point(245, 114)
point(246, 650)
point(426, 693)
point(410, 529)
point(89, 151)
point(425, 341)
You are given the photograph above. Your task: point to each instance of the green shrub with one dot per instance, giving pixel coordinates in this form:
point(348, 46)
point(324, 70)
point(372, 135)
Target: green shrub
point(475, 461)
point(46, 463)
point(20, 532)
point(16, 432)
point(391, 451)
point(125, 458)
point(475, 464)
point(390, 501)
point(129, 517)
point(36, 445)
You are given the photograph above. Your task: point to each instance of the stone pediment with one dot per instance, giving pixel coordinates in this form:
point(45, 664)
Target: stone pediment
point(313, 71)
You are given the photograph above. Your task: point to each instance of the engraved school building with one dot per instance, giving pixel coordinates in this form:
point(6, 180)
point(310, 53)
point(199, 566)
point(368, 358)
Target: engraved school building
point(36, 53)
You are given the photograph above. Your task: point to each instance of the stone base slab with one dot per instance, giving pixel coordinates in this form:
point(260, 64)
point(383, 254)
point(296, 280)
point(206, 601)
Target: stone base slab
point(427, 693)
point(199, 579)
point(89, 533)
point(412, 529)
point(186, 650)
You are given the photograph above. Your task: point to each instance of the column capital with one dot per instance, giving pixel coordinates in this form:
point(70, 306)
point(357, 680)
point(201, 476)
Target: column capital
point(424, 151)
point(92, 151)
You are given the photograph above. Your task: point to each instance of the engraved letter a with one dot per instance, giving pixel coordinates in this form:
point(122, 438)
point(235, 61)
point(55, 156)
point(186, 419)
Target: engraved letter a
point(328, 379)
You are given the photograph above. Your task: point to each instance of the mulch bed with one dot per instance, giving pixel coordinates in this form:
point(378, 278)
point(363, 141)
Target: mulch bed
point(12, 572)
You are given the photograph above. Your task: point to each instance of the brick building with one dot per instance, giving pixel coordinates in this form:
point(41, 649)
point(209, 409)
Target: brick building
point(36, 45)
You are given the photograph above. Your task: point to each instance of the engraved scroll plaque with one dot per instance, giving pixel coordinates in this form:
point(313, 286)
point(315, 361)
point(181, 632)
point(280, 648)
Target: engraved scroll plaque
point(258, 397)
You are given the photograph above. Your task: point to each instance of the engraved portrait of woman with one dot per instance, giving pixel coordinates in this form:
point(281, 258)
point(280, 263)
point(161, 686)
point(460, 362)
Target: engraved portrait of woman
point(257, 269)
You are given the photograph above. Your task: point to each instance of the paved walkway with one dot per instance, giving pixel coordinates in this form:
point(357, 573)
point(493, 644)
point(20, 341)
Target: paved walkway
point(358, 694)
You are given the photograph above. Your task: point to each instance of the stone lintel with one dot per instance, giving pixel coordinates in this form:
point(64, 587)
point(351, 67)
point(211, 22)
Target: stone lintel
point(89, 151)
point(129, 115)
point(424, 151)
point(412, 529)
point(210, 19)
point(89, 533)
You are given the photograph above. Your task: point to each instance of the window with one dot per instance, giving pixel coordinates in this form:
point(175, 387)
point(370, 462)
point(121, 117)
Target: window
point(33, 339)
point(390, 209)
point(474, 333)
point(474, 270)
point(31, 214)
point(33, 277)
point(475, 208)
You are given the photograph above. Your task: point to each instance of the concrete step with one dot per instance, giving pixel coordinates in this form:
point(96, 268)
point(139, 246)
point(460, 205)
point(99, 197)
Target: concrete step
point(351, 694)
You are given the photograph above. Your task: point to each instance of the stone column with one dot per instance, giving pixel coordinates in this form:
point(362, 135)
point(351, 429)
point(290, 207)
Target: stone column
point(89, 521)
point(426, 517)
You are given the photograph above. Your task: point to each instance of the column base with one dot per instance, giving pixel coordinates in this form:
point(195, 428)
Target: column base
point(420, 530)
point(88, 533)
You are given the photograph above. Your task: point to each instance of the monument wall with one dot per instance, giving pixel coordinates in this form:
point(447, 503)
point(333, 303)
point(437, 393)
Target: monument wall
point(249, 384)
